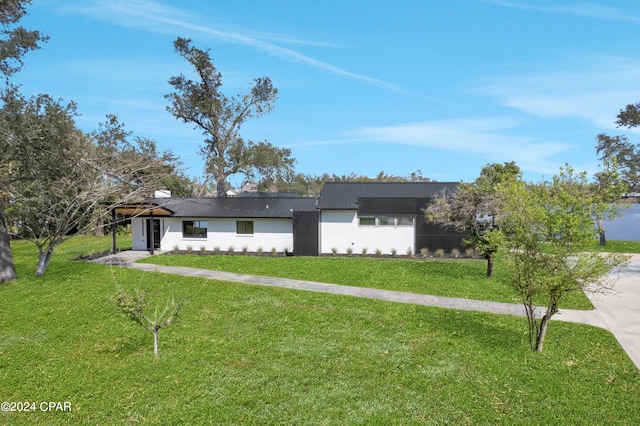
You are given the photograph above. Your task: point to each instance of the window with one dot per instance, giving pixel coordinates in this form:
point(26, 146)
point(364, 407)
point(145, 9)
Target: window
point(385, 221)
point(244, 227)
point(194, 229)
point(367, 221)
point(405, 221)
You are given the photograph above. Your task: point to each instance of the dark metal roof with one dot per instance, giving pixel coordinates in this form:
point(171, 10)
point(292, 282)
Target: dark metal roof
point(250, 207)
point(344, 195)
point(267, 195)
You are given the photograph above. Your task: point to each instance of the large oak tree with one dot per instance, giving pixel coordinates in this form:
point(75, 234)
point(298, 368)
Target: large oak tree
point(219, 117)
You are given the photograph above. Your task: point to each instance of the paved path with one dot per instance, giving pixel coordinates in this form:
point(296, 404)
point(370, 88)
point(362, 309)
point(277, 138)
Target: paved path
point(617, 310)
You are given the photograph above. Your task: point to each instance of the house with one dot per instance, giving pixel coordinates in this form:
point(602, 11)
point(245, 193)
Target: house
point(239, 222)
point(384, 216)
point(347, 217)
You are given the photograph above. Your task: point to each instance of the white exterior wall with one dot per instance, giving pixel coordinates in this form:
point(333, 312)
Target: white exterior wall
point(221, 232)
point(341, 229)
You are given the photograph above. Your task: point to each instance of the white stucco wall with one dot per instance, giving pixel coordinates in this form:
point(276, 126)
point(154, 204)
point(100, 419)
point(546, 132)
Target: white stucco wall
point(341, 229)
point(221, 232)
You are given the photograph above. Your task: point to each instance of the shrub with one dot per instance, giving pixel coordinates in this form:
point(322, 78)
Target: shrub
point(364, 251)
point(274, 252)
point(230, 250)
point(378, 252)
point(259, 251)
point(349, 252)
point(409, 252)
point(439, 253)
point(176, 249)
point(203, 250)
point(245, 250)
point(424, 252)
point(394, 252)
point(216, 250)
point(189, 249)
point(455, 253)
point(334, 251)
point(470, 253)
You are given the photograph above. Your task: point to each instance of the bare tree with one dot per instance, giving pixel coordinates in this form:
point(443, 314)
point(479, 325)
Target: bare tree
point(67, 178)
point(136, 307)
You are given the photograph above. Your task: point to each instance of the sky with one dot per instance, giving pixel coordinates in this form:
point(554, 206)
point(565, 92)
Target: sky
point(444, 87)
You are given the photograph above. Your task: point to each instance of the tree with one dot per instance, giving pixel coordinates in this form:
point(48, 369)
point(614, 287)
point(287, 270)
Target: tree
point(219, 117)
point(15, 42)
point(136, 307)
point(542, 234)
point(475, 209)
point(67, 178)
point(620, 150)
point(310, 186)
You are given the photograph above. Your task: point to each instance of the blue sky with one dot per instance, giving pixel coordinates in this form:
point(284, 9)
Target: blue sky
point(438, 86)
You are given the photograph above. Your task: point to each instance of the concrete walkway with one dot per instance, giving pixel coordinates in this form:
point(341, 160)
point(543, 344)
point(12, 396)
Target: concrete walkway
point(617, 310)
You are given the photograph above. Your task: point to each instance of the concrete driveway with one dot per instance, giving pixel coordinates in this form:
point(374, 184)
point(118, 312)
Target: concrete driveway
point(619, 308)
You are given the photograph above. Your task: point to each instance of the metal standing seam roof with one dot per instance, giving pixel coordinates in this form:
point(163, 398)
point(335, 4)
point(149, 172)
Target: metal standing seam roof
point(344, 195)
point(267, 207)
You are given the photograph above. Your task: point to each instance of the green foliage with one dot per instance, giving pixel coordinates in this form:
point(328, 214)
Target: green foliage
point(543, 227)
point(453, 278)
point(15, 41)
point(219, 117)
point(475, 208)
point(310, 185)
point(258, 355)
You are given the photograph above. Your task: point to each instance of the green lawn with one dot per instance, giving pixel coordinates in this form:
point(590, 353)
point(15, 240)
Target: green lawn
point(441, 277)
point(244, 354)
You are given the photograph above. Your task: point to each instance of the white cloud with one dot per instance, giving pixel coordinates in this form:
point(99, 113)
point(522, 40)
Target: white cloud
point(155, 16)
point(589, 10)
point(489, 139)
point(594, 95)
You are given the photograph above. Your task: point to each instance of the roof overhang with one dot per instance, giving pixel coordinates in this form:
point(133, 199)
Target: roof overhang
point(136, 210)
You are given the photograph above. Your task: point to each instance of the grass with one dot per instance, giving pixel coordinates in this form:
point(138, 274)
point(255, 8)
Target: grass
point(243, 354)
point(615, 246)
point(441, 277)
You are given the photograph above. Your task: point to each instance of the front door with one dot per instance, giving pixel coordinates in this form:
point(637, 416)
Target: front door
point(155, 235)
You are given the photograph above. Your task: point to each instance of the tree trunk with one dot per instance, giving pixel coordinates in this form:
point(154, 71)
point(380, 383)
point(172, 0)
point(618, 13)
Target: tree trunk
point(99, 231)
point(544, 324)
point(155, 343)
point(43, 263)
point(603, 238)
point(489, 266)
point(7, 268)
point(221, 187)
